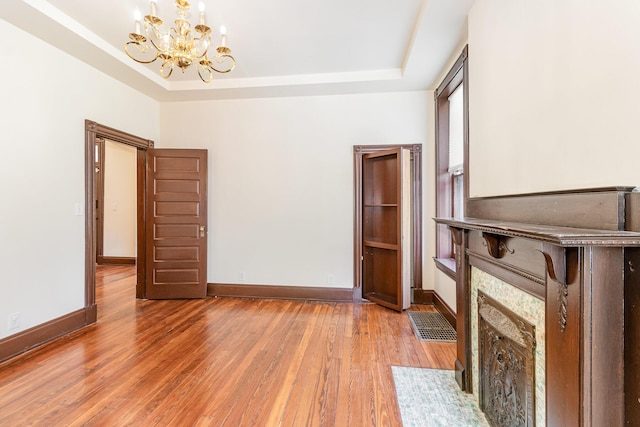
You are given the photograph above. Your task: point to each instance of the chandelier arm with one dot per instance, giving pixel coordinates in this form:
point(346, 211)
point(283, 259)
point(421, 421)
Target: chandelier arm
point(220, 59)
point(153, 43)
point(141, 48)
point(166, 65)
point(204, 72)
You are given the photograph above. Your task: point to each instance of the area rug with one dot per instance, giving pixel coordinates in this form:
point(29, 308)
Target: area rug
point(432, 398)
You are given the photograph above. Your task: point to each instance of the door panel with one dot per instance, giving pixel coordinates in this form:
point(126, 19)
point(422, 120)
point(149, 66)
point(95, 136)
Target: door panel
point(385, 231)
point(176, 264)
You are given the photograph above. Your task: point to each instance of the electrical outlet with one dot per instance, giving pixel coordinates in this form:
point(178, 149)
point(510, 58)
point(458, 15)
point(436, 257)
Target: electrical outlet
point(242, 276)
point(14, 321)
point(331, 280)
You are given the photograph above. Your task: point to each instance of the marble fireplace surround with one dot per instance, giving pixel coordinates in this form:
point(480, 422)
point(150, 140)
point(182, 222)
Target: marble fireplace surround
point(570, 263)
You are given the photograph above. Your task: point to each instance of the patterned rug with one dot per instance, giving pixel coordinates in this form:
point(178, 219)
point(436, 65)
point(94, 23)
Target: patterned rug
point(432, 398)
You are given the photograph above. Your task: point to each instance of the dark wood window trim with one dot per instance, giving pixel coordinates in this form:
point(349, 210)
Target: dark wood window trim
point(416, 172)
point(458, 74)
point(447, 266)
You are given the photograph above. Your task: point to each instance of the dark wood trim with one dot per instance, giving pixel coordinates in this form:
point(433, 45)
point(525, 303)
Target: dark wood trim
point(141, 213)
point(91, 313)
point(90, 132)
point(600, 208)
point(464, 359)
point(603, 342)
point(416, 175)
point(458, 74)
point(453, 79)
point(445, 310)
point(117, 135)
point(416, 157)
point(38, 335)
point(423, 296)
point(100, 168)
point(443, 194)
point(561, 236)
point(632, 211)
point(465, 121)
point(93, 131)
point(577, 191)
point(631, 333)
point(281, 292)
point(521, 279)
point(431, 297)
point(116, 260)
point(447, 266)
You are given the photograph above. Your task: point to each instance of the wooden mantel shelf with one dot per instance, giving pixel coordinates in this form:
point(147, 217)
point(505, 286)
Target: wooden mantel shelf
point(560, 236)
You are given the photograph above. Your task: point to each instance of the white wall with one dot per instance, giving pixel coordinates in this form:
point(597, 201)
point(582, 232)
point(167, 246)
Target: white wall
point(281, 192)
point(46, 96)
point(120, 194)
point(554, 95)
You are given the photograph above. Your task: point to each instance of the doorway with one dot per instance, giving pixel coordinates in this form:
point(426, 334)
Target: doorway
point(415, 150)
point(94, 131)
point(116, 202)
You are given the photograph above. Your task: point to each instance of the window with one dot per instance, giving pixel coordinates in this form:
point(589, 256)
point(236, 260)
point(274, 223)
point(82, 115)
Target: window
point(452, 154)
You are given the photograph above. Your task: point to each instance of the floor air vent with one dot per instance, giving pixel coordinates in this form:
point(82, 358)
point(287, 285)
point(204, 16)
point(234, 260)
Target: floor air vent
point(429, 326)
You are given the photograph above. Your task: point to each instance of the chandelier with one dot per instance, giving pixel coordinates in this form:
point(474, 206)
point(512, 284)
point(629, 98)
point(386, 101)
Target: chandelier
point(179, 46)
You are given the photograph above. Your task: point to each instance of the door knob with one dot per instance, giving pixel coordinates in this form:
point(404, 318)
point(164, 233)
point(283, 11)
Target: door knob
point(202, 230)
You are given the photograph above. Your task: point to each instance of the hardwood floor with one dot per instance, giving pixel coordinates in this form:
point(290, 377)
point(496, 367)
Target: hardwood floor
point(217, 361)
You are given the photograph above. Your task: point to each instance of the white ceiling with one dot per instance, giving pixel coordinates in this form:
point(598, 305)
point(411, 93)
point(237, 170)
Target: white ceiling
point(282, 47)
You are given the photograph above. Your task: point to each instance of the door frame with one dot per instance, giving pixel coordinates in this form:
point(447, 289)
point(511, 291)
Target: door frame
point(93, 131)
point(416, 211)
point(99, 198)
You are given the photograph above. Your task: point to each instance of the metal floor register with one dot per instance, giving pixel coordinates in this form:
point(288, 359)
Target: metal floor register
point(429, 326)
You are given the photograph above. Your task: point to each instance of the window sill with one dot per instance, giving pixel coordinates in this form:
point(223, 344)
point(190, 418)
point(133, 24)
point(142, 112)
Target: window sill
point(447, 266)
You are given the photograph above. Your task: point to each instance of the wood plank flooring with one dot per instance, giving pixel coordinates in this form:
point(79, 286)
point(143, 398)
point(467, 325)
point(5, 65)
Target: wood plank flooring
point(217, 362)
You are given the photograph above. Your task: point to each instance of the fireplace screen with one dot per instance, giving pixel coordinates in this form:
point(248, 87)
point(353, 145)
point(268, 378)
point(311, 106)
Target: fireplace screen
point(507, 359)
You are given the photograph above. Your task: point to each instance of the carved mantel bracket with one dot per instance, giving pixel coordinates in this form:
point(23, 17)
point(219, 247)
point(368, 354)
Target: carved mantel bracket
point(555, 258)
point(456, 234)
point(496, 244)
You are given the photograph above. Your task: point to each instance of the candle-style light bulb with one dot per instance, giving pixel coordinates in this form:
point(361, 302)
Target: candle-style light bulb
point(201, 7)
point(153, 7)
point(223, 33)
point(137, 16)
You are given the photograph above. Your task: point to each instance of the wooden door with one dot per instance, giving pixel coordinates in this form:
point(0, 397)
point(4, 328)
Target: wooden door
point(386, 228)
point(176, 224)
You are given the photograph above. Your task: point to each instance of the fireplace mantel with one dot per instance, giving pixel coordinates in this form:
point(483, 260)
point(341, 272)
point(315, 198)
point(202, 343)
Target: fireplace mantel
point(579, 252)
point(559, 236)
